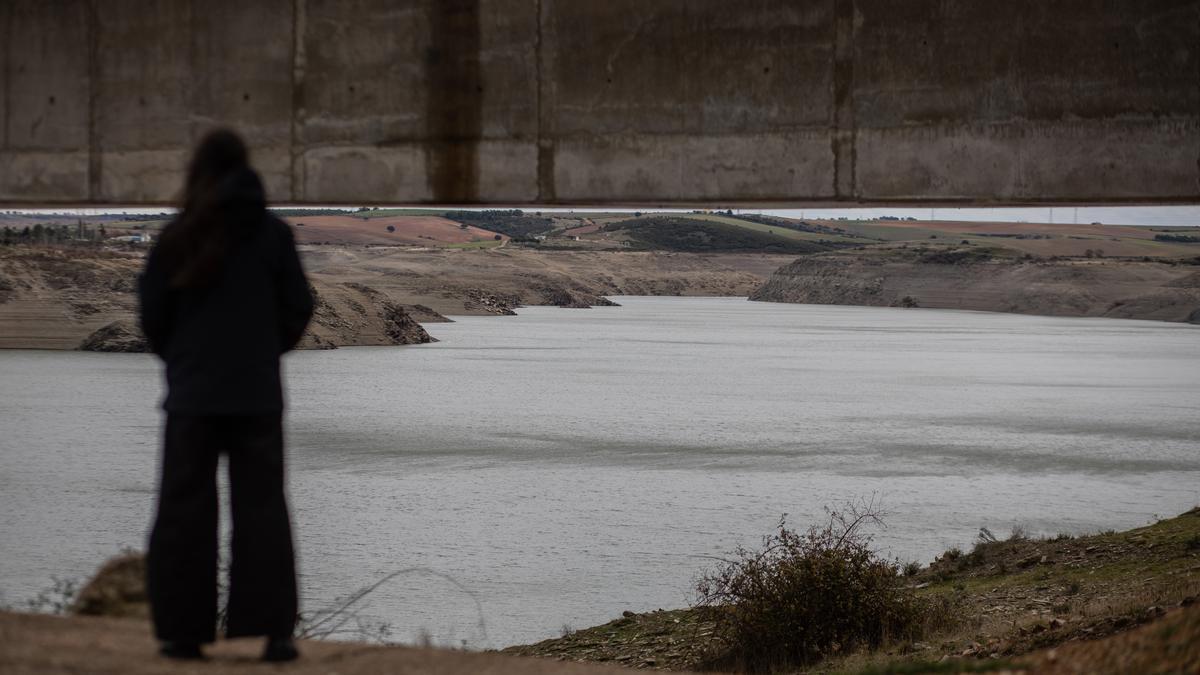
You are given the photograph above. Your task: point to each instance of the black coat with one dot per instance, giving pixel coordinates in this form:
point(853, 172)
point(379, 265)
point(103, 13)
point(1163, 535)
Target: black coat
point(222, 342)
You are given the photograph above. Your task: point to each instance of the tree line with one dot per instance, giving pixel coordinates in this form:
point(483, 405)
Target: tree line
point(48, 233)
point(1178, 238)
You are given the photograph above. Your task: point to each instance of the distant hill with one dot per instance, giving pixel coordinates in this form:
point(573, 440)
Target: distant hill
point(512, 222)
point(678, 233)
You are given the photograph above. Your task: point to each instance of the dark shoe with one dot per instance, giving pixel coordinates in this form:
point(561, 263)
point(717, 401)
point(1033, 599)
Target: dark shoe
point(280, 649)
point(174, 649)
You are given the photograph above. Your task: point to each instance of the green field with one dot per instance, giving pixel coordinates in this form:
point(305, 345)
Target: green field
point(683, 232)
point(768, 229)
point(478, 244)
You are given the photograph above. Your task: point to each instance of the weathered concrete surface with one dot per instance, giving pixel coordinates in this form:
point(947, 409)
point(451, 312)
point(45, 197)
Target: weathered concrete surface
point(570, 101)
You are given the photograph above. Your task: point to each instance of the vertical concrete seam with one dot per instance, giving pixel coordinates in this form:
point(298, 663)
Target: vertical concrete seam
point(844, 125)
point(95, 159)
point(6, 29)
point(833, 101)
point(545, 145)
point(850, 104)
point(454, 101)
point(299, 29)
point(196, 94)
point(537, 74)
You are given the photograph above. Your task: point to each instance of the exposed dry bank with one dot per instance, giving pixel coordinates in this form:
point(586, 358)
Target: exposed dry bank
point(66, 298)
point(980, 279)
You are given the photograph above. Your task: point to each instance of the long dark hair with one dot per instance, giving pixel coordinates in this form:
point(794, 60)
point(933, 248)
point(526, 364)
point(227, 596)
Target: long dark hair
point(221, 191)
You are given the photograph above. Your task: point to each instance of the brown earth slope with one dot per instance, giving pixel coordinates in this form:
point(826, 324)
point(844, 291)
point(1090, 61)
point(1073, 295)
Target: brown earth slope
point(455, 282)
point(86, 299)
point(966, 278)
point(53, 299)
point(56, 298)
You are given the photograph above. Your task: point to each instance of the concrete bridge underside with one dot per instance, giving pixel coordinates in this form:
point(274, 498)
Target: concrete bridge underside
point(608, 102)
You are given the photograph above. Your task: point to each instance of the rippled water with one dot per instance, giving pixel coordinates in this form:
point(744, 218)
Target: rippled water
point(558, 467)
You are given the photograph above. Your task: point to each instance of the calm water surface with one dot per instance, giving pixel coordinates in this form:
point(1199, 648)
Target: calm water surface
point(561, 466)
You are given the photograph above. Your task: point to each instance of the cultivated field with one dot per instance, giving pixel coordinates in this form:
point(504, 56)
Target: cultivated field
point(408, 230)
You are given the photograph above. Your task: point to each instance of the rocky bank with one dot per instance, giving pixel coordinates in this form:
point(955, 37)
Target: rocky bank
point(1113, 602)
point(118, 336)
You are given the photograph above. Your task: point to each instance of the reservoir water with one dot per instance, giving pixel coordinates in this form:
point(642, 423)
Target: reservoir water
point(561, 466)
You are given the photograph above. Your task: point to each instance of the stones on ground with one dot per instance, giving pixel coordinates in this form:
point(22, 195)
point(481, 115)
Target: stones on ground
point(572, 298)
point(118, 336)
point(354, 313)
point(477, 298)
point(400, 328)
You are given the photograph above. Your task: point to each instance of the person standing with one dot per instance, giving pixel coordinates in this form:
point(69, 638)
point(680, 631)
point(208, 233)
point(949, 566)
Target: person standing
point(222, 297)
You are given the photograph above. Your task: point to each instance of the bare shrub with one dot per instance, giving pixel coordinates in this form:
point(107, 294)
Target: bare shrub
point(804, 596)
point(342, 620)
point(58, 598)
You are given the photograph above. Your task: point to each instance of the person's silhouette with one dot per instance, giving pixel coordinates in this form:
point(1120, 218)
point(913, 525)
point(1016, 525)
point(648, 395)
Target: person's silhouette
point(223, 296)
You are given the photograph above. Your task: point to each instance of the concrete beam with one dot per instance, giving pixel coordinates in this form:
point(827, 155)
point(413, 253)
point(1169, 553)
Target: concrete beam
point(624, 101)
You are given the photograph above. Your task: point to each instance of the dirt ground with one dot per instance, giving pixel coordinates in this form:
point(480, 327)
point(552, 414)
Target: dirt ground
point(53, 645)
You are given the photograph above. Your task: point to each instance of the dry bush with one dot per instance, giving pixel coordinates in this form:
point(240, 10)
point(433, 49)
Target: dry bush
point(117, 589)
point(806, 596)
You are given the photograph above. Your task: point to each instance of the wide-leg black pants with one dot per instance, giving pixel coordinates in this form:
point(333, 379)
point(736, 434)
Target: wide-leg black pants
point(182, 562)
